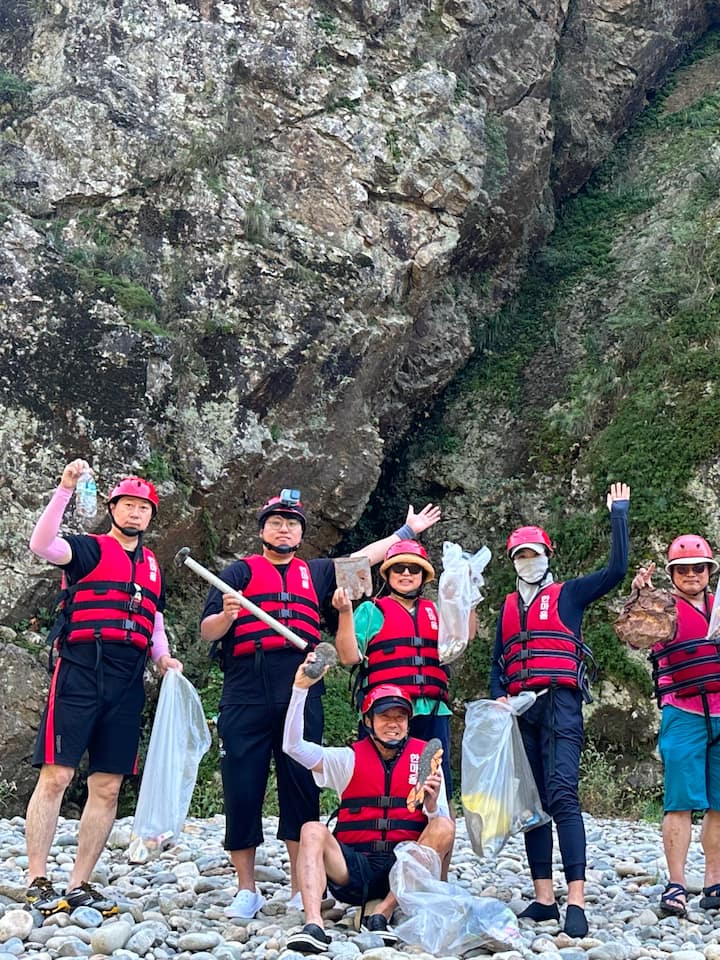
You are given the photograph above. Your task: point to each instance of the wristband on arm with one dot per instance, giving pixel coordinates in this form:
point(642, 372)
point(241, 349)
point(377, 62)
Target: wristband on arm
point(405, 532)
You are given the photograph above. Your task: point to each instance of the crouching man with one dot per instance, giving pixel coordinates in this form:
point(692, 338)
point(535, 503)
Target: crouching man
point(391, 789)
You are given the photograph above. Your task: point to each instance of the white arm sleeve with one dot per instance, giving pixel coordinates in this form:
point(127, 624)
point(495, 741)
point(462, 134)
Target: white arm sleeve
point(306, 753)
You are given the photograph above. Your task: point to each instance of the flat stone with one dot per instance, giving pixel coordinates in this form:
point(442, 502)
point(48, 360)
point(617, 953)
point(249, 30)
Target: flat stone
point(15, 923)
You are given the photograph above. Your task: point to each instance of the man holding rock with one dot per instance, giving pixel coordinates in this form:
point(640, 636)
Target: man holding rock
point(686, 673)
point(259, 667)
point(391, 789)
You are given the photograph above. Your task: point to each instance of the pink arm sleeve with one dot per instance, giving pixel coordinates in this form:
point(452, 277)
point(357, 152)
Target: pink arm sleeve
point(45, 541)
point(160, 645)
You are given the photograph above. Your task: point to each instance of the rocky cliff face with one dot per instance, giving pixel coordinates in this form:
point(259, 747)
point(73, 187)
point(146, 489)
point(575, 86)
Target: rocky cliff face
point(244, 245)
point(240, 242)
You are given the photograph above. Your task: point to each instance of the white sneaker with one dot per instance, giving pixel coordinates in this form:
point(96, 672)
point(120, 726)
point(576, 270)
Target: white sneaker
point(245, 904)
point(295, 902)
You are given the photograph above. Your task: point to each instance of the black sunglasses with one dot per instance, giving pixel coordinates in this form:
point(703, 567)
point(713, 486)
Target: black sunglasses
point(412, 568)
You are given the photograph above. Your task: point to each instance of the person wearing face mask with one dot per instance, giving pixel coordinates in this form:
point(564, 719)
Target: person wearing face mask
point(686, 673)
point(539, 647)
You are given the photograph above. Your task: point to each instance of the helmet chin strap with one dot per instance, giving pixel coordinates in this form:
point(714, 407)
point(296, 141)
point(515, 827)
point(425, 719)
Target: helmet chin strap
point(388, 744)
point(408, 595)
point(127, 531)
point(283, 550)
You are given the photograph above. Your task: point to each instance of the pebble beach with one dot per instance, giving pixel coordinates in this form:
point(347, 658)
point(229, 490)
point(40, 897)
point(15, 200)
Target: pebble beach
point(171, 908)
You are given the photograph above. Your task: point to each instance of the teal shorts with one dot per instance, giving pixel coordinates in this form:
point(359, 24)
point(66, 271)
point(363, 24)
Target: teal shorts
point(692, 770)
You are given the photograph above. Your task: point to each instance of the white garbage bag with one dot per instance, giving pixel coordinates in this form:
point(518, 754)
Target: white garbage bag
point(458, 594)
point(499, 794)
point(179, 738)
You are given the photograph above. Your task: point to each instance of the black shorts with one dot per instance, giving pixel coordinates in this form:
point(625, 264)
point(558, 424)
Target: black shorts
point(79, 717)
point(369, 877)
point(250, 734)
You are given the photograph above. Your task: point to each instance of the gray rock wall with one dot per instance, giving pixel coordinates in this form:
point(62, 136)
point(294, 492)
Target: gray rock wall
point(243, 245)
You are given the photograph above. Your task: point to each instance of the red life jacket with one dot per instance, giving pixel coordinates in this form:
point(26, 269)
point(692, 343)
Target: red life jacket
point(538, 648)
point(688, 664)
point(290, 600)
point(115, 602)
point(405, 651)
point(373, 816)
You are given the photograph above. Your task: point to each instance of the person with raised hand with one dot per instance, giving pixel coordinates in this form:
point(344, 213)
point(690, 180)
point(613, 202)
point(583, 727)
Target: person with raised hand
point(110, 622)
point(391, 789)
point(259, 666)
point(539, 647)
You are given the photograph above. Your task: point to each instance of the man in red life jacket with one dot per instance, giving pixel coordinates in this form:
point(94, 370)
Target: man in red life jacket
point(111, 620)
point(539, 646)
point(686, 673)
point(259, 668)
point(376, 780)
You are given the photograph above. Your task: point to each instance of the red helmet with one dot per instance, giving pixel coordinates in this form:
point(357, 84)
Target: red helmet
point(384, 697)
point(283, 506)
point(409, 551)
point(528, 537)
point(690, 548)
point(135, 487)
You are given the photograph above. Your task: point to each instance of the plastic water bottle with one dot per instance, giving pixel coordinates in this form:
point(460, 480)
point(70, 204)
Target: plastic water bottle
point(86, 496)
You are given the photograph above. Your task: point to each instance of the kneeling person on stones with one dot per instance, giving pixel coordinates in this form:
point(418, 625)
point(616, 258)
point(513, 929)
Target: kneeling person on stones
point(385, 797)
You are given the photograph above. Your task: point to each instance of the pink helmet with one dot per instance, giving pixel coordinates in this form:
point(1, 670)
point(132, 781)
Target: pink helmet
point(408, 551)
point(384, 697)
point(528, 537)
point(135, 487)
point(690, 548)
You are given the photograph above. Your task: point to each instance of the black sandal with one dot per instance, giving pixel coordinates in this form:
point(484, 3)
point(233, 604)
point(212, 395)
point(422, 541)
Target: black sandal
point(711, 897)
point(671, 903)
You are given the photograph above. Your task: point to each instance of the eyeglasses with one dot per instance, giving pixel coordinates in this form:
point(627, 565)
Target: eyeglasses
point(412, 568)
point(277, 523)
point(685, 568)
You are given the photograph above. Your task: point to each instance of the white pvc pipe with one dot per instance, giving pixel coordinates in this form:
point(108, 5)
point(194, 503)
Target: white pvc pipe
point(248, 604)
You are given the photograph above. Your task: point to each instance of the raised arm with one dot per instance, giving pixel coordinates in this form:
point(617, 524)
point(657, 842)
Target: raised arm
point(44, 540)
point(414, 525)
point(304, 752)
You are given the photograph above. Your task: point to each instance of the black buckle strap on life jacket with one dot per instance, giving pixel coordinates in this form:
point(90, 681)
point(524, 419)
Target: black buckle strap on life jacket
point(531, 652)
point(130, 626)
point(381, 823)
point(105, 586)
point(389, 646)
point(285, 614)
point(124, 605)
point(283, 597)
point(355, 804)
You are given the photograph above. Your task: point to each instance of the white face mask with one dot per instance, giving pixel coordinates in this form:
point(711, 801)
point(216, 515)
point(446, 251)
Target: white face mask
point(531, 569)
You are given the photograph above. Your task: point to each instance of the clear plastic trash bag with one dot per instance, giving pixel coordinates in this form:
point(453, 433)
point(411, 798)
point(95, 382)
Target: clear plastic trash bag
point(499, 794)
point(445, 919)
point(458, 594)
point(179, 738)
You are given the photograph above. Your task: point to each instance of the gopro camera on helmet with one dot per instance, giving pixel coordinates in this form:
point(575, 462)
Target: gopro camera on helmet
point(289, 498)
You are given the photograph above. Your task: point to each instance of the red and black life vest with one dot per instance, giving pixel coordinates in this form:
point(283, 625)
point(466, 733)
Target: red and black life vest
point(405, 651)
point(289, 598)
point(539, 650)
point(373, 815)
point(688, 665)
point(116, 601)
